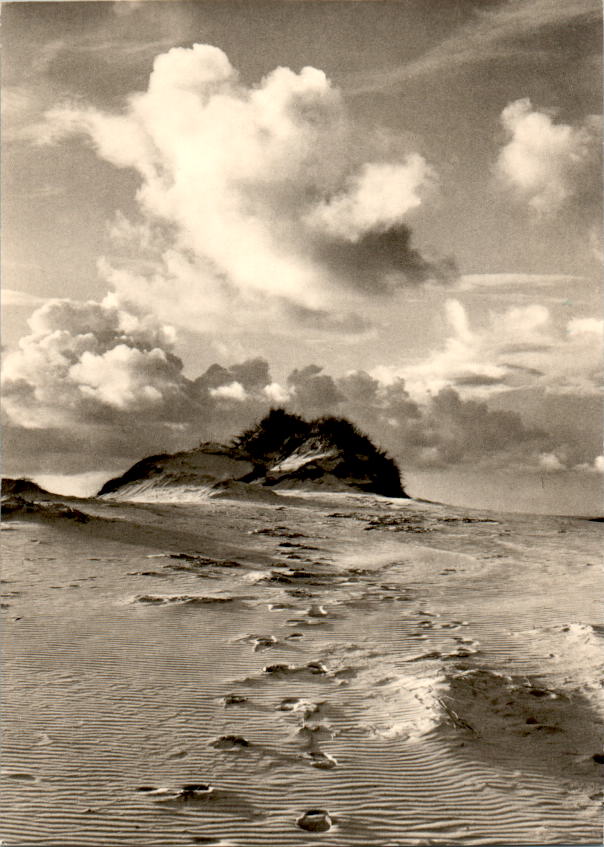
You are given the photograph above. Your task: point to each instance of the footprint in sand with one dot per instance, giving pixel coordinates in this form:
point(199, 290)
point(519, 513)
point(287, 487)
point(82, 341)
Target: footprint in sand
point(305, 622)
point(189, 791)
point(299, 704)
point(178, 754)
point(18, 775)
point(315, 820)
point(346, 674)
point(230, 742)
point(320, 760)
point(313, 735)
point(259, 642)
point(263, 642)
point(221, 801)
point(312, 668)
point(234, 700)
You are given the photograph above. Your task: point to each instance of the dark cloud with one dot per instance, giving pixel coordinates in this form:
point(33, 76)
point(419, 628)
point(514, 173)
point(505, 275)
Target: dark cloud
point(251, 374)
point(476, 380)
point(525, 348)
point(382, 261)
point(320, 319)
point(522, 368)
point(314, 393)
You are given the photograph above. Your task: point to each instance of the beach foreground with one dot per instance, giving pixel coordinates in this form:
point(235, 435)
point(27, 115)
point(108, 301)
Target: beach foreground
point(334, 668)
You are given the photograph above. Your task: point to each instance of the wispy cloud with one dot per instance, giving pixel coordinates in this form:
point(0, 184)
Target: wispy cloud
point(10, 297)
point(514, 281)
point(497, 33)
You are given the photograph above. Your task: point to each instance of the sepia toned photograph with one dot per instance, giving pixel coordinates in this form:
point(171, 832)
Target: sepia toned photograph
point(302, 482)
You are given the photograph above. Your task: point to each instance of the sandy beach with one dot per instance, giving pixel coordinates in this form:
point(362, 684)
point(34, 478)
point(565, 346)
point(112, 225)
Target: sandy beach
point(338, 668)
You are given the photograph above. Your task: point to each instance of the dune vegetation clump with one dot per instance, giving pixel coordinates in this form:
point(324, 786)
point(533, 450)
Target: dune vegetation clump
point(286, 449)
point(278, 433)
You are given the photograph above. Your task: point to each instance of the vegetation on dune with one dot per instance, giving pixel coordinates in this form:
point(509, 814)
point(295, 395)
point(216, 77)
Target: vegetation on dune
point(353, 458)
point(287, 450)
point(25, 487)
point(277, 434)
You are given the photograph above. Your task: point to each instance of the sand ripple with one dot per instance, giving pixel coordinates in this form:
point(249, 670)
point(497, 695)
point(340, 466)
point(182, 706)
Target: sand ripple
point(414, 676)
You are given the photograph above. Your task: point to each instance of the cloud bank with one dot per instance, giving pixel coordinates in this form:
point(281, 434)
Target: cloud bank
point(98, 383)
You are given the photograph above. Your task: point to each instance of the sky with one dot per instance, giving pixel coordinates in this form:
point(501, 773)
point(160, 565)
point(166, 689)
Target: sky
point(389, 211)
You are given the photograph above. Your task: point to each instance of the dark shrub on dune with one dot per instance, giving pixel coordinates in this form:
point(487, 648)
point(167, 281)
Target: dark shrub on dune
point(325, 449)
point(275, 435)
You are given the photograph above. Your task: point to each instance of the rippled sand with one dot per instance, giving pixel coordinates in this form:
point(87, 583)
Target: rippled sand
point(343, 670)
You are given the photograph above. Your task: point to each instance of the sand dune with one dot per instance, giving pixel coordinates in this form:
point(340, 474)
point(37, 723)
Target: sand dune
point(342, 669)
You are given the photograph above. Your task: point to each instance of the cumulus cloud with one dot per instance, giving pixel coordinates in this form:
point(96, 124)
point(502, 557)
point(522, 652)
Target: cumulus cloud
point(377, 198)
point(442, 430)
point(518, 348)
point(452, 430)
point(548, 164)
point(232, 391)
point(83, 358)
point(106, 375)
point(263, 192)
point(313, 392)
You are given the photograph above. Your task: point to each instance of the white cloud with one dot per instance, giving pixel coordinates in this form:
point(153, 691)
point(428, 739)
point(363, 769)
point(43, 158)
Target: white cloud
point(581, 326)
point(597, 466)
point(514, 282)
point(86, 359)
point(377, 198)
point(122, 377)
point(276, 393)
point(9, 297)
point(95, 381)
point(551, 462)
point(232, 391)
point(265, 193)
point(547, 164)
